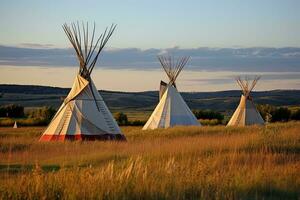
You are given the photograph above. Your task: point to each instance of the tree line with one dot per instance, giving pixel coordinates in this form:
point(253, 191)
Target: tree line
point(35, 117)
point(12, 110)
point(43, 115)
point(278, 114)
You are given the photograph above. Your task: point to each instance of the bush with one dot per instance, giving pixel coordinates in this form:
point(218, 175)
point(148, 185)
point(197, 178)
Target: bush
point(210, 122)
point(37, 117)
point(296, 115)
point(121, 118)
point(208, 114)
point(32, 122)
point(276, 114)
point(12, 110)
point(280, 114)
point(6, 122)
point(265, 111)
point(137, 123)
point(23, 122)
point(43, 115)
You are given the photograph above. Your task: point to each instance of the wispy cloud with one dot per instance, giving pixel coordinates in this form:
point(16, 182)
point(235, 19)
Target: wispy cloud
point(229, 78)
point(207, 59)
point(36, 45)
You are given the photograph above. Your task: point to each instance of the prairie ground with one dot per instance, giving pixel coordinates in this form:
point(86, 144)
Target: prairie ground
point(177, 163)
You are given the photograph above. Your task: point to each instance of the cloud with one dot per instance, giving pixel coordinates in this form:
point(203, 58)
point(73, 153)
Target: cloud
point(37, 46)
point(220, 78)
point(204, 58)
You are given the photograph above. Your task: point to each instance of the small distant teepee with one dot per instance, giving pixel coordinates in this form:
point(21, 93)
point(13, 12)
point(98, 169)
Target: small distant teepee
point(246, 112)
point(171, 109)
point(15, 125)
point(84, 114)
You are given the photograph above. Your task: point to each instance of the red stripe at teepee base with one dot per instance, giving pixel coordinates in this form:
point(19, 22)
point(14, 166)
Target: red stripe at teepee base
point(118, 137)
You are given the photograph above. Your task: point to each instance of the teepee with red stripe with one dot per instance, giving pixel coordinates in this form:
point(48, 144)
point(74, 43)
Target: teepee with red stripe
point(84, 115)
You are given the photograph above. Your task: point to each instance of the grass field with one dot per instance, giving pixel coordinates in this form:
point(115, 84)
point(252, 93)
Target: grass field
point(177, 163)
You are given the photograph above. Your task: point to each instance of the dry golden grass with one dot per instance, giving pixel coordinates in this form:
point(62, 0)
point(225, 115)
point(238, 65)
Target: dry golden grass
point(177, 163)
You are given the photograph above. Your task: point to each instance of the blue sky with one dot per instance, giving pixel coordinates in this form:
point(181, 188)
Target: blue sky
point(156, 23)
point(224, 38)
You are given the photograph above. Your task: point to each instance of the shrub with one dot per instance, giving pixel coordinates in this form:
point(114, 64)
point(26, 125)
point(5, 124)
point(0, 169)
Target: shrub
point(121, 118)
point(6, 122)
point(37, 117)
point(265, 111)
point(210, 122)
point(44, 114)
point(208, 114)
point(137, 123)
point(12, 110)
point(295, 115)
point(280, 114)
point(275, 114)
point(33, 122)
point(23, 122)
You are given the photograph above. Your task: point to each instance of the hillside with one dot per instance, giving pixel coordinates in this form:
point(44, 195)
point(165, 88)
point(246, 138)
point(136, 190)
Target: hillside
point(36, 96)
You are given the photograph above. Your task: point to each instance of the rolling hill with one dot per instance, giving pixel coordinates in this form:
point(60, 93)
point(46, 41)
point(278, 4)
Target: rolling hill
point(224, 101)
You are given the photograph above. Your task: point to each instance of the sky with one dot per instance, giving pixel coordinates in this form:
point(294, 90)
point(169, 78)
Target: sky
point(225, 38)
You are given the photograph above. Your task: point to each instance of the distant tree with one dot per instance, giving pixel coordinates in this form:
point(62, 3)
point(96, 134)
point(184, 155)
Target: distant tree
point(45, 113)
point(295, 115)
point(280, 114)
point(265, 111)
point(3, 111)
point(121, 118)
point(12, 110)
point(137, 123)
point(208, 114)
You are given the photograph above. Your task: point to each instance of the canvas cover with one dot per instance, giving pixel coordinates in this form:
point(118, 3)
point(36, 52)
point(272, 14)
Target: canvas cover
point(83, 115)
point(245, 114)
point(171, 111)
point(162, 88)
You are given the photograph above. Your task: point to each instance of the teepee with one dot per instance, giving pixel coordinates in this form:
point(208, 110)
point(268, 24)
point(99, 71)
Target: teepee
point(84, 115)
point(15, 125)
point(171, 109)
point(246, 113)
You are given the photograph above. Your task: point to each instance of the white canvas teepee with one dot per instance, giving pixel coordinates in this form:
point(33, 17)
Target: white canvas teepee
point(246, 112)
point(83, 114)
point(15, 125)
point(171, 109)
